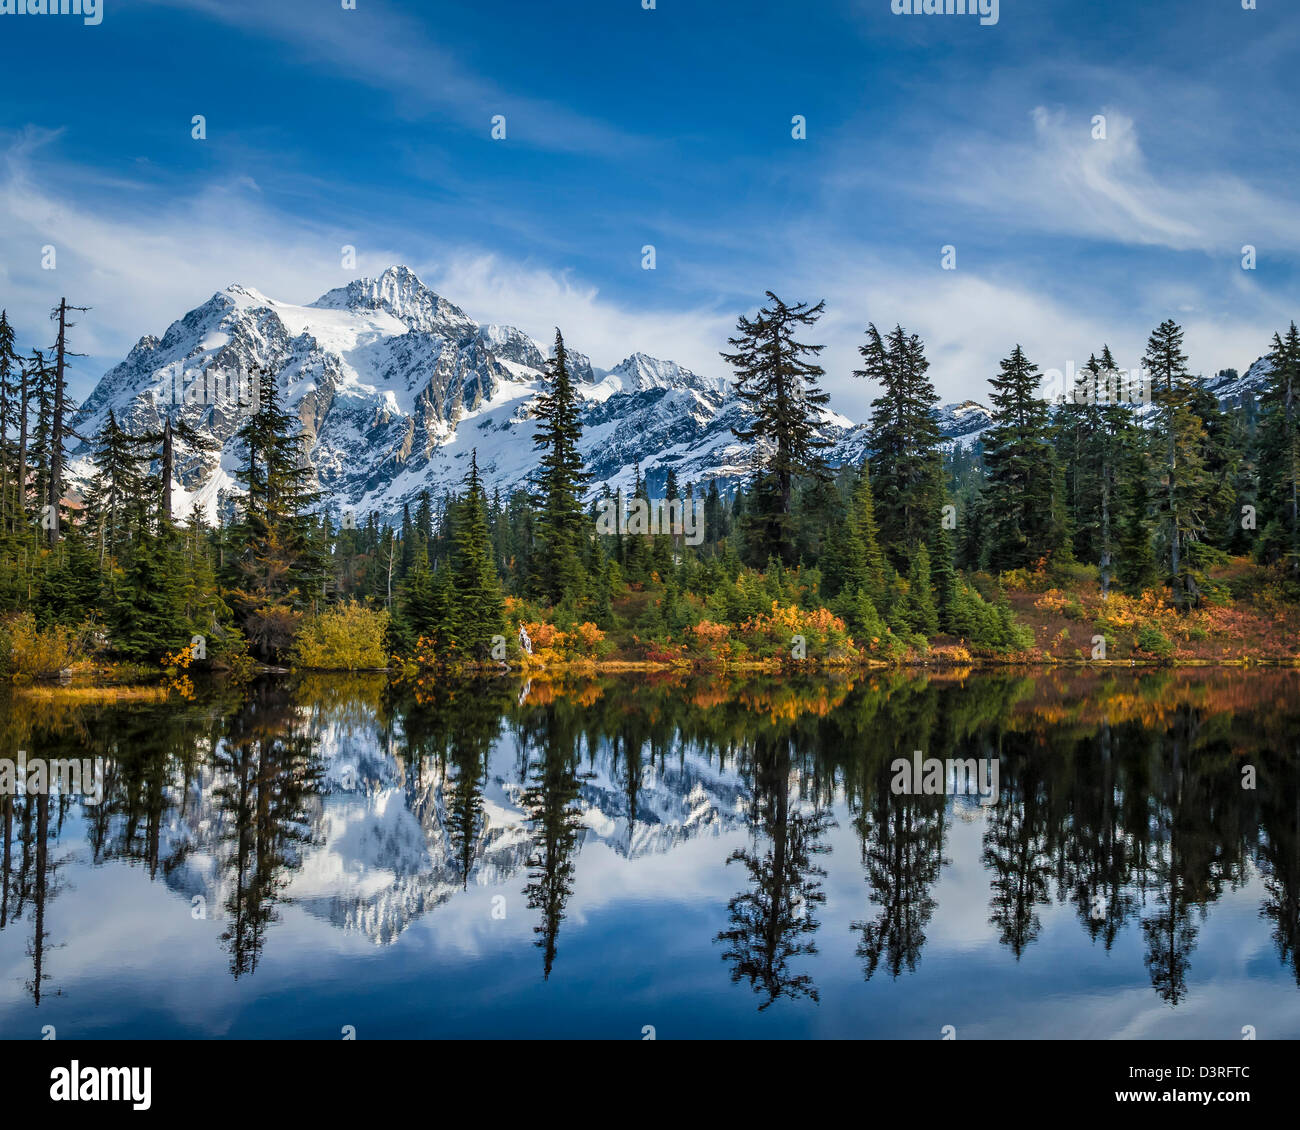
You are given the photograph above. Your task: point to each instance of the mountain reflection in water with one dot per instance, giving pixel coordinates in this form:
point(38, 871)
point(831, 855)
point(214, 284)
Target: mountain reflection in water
point(705, 856)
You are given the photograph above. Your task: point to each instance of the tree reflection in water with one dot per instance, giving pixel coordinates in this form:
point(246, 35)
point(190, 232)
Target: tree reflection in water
point(1121, 796)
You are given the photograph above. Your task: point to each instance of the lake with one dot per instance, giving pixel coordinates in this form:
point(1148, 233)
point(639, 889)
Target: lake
point(658, 855)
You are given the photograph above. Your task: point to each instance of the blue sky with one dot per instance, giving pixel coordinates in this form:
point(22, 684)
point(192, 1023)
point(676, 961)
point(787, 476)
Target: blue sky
point(671, 127)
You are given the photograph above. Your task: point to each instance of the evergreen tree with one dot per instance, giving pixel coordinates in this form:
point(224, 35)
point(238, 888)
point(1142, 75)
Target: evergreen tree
point(905, 463)
point(862, 517)
point(147, 617)
point(275, 556)
point(1279, 455)
point(431, 606)
point(561, 523)
point(777, 382)
point(60, 430)
point(478, 590)
point(1017, 514)
point(944, 579)
point(920, 612)
point(115, 500)
point(1136, 566)
point(1116, 427)
point(1184, 494)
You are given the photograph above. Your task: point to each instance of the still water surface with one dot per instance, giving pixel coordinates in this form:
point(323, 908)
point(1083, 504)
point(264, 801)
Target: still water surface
point(705, 858)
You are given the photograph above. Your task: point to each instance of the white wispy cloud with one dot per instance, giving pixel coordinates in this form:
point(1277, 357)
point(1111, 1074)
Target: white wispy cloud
point(155, 255)
point(142, 255)
point(1060, 179)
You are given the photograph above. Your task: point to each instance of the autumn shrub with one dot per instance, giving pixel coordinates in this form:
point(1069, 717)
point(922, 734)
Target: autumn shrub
point(771, 634)
point(1026, 580)
point(583, 641)
point(31, 652)
point(712, 640)
point(346, 637)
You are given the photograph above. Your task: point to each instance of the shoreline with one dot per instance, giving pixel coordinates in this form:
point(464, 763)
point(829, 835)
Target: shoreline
point(109, 681)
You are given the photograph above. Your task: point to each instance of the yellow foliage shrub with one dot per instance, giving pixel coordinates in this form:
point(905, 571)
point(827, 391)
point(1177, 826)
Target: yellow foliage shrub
point(38, 653)
point(346, 637)
point(552, 645)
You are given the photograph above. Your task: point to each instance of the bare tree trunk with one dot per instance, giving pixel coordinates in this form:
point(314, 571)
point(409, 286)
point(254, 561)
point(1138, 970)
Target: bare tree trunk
point(167, 459)
point(391, 554)
point(20, 509)
point(1105, 528)
point(56, 426)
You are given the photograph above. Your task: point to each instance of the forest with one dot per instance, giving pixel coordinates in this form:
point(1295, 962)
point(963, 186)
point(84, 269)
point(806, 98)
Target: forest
point(1100, 527)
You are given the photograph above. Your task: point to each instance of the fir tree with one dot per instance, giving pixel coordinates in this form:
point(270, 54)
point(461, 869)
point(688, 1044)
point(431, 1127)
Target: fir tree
point(274, 562)
point(115, 500)
point(862, 517)
point(777, 382)
point(60, 430)
point(1136, 565)
point(561, 523)
point(920, 612)
point(478, 590)
point(905, 464)
point(1184, 486)
point(1021, 468)
point(147, 617)
point(1279, 455)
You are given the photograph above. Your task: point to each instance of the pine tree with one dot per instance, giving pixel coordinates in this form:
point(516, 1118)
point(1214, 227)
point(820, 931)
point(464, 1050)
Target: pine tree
point(478, 590)
point(862, 517)
point(561, 523)
point(777, 382)
point(163, 442)
point(69, 587)
point(1184, 488)
point(1018, 453)
point(200, 602)
point(905, 463)
point(431, 605)
point(919, 609)
point(274, 566)
point(944, 578)
point(1136, 565)
point(1079, 427)
point(1116, 428)
point(33, 375)
point(115, 500)
point(1279, 455)
point(41, 397)
point(147, 617)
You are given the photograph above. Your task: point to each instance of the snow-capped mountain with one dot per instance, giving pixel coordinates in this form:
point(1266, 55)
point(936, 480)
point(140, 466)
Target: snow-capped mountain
point(395, 386)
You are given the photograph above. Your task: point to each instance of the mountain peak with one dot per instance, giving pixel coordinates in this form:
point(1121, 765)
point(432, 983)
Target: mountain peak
point(400, 292)
point(641, 371)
